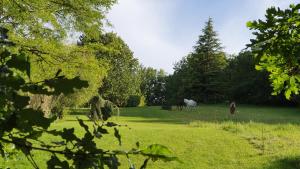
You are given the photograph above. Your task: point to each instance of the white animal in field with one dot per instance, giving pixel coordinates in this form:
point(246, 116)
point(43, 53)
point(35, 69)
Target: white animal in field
point(190, 103)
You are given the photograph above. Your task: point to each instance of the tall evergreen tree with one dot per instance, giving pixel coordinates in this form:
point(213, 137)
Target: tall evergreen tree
point(203, 66)
point(206, 63)
point(208, 42)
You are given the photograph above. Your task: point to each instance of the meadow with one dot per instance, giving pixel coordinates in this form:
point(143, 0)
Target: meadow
point(206, 137)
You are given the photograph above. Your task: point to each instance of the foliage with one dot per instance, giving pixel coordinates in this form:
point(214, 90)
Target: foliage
point(52, 20)
point(276, 43)
point(153, 85)
point(77, 61)
point(122, 80)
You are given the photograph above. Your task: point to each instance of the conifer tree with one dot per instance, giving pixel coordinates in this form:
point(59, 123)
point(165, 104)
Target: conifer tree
point(206, 62)
point(200, 72)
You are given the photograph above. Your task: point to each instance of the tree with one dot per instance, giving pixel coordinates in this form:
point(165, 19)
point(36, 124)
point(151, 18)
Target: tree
point(207, 62)
point(197, 74)
point(123, 78)
point(147, 74)
point(153, 85)
point(276, 44)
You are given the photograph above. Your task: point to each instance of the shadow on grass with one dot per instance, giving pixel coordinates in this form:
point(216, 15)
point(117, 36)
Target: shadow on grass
point(215, 114)
point(285, 163)
point(158, 121)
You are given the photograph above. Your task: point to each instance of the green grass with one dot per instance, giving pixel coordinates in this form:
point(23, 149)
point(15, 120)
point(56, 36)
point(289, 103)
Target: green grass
point(203, 138)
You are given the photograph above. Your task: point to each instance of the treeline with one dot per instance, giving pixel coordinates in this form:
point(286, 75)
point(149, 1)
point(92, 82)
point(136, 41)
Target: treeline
point(208, 75)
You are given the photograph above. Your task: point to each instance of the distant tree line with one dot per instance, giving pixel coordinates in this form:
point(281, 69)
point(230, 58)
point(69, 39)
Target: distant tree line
point(208, 75)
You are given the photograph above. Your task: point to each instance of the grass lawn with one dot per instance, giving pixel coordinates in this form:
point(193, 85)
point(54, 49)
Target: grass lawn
point(203, 138)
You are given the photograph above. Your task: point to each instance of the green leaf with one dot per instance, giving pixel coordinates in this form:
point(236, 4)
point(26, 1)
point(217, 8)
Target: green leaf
point(54, 162)
point(20, 102)
point(19, 62)
point(100, 131)
point(35, 89)
point(111, 124)
point(64, 85)
point(287, 94)
point(86, 128)
point(258, 67)
point(68, 135)
point(23, 145)
point(118, 136)
point(27, 118)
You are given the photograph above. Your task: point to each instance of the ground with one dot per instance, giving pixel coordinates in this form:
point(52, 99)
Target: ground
point(203, 138)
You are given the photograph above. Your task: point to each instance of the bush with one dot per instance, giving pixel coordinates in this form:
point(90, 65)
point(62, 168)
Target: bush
point(133, 101)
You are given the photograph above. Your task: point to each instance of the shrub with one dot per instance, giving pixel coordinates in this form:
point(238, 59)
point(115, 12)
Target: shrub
point(133, 101)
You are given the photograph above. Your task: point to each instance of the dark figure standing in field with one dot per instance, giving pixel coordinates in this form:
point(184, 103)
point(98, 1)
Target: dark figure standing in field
point(232, 108)
point(180, 104)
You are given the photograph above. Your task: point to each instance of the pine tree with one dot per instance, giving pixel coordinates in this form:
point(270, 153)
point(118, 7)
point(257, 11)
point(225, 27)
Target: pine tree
point(208, 42)
point(207, 62)
point(202, 68)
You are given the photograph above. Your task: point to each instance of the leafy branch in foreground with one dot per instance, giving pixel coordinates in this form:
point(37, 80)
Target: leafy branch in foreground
point(23, 126)
point(276, 44)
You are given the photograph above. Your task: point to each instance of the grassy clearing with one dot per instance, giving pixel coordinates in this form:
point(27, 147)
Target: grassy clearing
point(203, 138)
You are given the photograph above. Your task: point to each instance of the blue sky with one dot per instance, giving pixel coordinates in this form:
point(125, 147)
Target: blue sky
point(161, 32)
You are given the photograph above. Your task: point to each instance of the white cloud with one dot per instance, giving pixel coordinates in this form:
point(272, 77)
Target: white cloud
point(144, 27)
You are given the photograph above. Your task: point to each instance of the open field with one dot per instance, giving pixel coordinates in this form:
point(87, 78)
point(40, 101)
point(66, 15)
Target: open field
point(203, 138)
